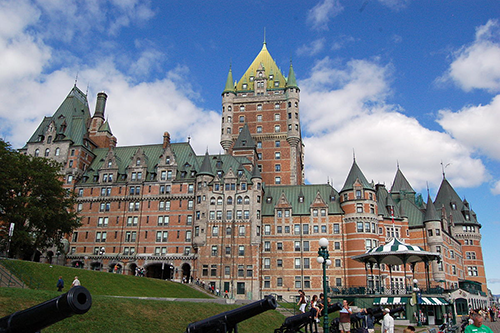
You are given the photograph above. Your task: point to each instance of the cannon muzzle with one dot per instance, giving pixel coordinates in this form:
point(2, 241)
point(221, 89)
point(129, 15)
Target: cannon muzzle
point(76, 301)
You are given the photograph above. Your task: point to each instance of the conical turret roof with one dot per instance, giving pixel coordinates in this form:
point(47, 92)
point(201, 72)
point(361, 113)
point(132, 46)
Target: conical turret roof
point(244, 140)
point(354, 175)
point(291, 81)
point(229, 82)
point(206, 166)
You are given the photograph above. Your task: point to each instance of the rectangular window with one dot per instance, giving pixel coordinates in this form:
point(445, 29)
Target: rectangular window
point(267, 263)
point(336, 228)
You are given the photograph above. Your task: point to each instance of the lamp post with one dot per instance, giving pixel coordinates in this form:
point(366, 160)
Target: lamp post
point(323, 259)
point(416, 290)
point(102, 252)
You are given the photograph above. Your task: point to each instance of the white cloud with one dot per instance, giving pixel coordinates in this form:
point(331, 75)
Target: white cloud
point(495, 190)
point(475, 126)
point(320, 15)
point(312, 48)
point(477, 66)
point(395, 4)
point(344, 109)
point(155, 107)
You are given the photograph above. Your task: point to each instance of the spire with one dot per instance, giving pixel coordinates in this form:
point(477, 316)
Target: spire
point(229, 82)
point(291, 81)
point(256, 172)
point(430, 212)
point(206, 167)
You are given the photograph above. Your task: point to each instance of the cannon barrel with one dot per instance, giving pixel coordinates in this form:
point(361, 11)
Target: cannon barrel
point(227, 321)
point(380, 316)
point(76, 301)
point(333, 308)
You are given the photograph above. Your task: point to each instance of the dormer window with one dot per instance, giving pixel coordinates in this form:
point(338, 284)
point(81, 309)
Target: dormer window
point(453, 206)
point(251, 78)
point(276, 83)
point(243, 143)
point(271, 77)
point(245, 86)
point(260, 74)
point(138, 162)
point(109, 164)
point(301, 199)
point(269, 199)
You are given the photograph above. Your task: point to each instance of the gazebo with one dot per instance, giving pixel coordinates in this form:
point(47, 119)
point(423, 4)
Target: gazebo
point(397, 253)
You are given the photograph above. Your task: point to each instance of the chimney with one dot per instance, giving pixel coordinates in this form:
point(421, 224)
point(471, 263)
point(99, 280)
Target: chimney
point(100, 104)
point(166, 139)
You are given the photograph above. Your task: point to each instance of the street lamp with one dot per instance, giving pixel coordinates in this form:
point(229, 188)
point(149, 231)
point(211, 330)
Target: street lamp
point(416, 290)
point(102, 252)
point(323, 259)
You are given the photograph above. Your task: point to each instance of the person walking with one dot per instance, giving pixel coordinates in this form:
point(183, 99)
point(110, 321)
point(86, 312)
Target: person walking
point(60, 284)
point(477, 324)
point(345, 317)
point(76, 282)
point(388, 322)
point(302, 302)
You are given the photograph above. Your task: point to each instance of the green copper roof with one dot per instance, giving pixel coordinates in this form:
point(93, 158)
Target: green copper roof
point(291, 82)
point(401, 184)
point(354, 175)
point(105, 128)
point(265, 60)
point(244, 140)
point(70, 119)
point(292, 194)
point(229, 82)
point(206, 168)
point(430, 212)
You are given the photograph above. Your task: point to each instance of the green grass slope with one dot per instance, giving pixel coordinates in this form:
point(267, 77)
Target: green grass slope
point(45, 276)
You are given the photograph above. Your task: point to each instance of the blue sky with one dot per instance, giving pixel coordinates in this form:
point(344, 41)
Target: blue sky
point(414, 83)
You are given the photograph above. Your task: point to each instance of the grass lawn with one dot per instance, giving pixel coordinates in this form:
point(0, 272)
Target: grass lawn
point(99, 283)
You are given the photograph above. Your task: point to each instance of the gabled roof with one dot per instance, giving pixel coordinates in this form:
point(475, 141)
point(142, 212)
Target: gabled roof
point(105, 128)
point(355, 174)
point(264, 60)
point(292, 194)
point(70, 119)
point(244, 140)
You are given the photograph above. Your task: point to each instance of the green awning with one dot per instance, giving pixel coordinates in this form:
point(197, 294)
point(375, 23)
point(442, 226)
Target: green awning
point(390, 300)
point(434, 301)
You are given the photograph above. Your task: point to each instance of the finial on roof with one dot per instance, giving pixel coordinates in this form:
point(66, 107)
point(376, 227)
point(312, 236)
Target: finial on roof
point(443, 167)
point(87, 91)
point(264, 35)
point(353, 155)
point(76, 78)
point(397, 163)
point(189, 139)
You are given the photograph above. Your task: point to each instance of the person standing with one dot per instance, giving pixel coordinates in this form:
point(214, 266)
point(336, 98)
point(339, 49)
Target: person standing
point(477, 324)
point(76, 282)
point(369, 320)
point(60, 284)
point(302, 302)
point(388, 322)
point(345, 317)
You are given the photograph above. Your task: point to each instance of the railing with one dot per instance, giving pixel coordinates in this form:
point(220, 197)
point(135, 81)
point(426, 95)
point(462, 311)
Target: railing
point(286, 306)
point(20, 274)
point(362, 290)
point(7, 279)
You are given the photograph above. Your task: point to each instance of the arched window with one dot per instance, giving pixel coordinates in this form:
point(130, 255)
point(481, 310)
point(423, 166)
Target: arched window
point(58, 151)
point(219, 200)
point(229, 200)
point(247, 200)
point(37, 152)
point(239, 200)
point(212, 200)
point(47, 152)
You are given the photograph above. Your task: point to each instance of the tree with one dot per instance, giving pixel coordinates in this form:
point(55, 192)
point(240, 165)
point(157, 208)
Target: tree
point(32, 196)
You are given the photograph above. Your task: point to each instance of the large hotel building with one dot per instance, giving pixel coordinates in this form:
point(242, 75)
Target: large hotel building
point(245, 221)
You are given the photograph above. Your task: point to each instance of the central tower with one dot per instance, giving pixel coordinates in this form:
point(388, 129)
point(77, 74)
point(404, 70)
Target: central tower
point(268, 103)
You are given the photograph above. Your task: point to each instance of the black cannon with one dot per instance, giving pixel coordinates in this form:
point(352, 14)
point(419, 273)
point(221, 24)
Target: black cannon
point(304, 321)
point(76, 301)
point(228, 321)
